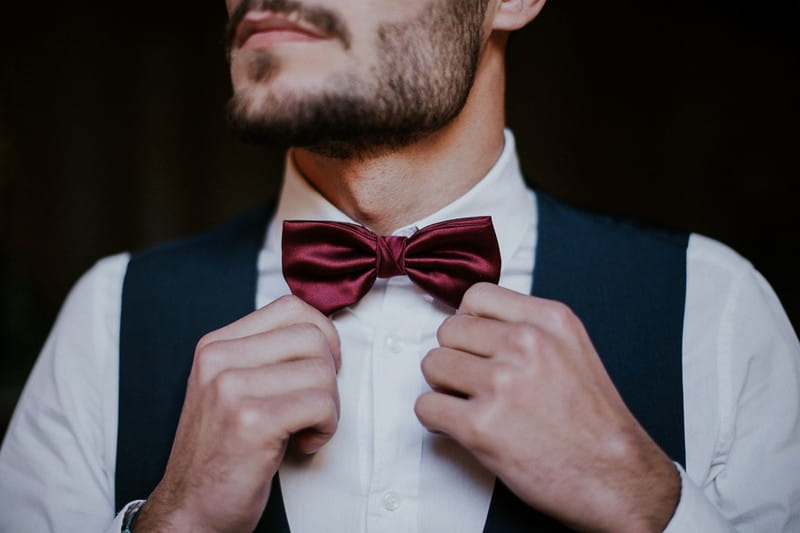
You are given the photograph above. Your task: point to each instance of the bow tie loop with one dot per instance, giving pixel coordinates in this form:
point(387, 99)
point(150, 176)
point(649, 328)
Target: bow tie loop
point(332, 265)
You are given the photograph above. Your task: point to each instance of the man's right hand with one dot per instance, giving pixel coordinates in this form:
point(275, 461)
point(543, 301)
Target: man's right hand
point(255, 383)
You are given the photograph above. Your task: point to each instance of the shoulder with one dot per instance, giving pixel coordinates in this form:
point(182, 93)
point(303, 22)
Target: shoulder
point(82, 345)
point(727, 281)
point(95, 296)
point(727, 288)
point(714, 256)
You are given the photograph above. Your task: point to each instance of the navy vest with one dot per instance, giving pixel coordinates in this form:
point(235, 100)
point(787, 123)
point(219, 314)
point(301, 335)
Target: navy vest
point(626, 283)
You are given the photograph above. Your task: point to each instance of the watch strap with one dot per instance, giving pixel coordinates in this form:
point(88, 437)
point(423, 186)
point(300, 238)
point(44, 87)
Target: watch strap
point(130, 516)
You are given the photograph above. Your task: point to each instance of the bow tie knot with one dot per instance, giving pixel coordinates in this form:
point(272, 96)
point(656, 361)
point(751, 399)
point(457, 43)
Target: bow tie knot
point(332, 265)
point(390, 256)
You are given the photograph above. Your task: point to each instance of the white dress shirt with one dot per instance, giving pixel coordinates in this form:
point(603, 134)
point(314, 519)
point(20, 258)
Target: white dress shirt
point(382, 471)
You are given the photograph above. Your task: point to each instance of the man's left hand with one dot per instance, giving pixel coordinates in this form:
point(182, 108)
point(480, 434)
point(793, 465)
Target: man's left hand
point(517, 382)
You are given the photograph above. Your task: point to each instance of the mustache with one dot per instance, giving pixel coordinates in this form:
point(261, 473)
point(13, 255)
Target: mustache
point(327, 21)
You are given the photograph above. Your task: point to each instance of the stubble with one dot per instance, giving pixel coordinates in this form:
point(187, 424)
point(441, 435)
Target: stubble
point(424, 71)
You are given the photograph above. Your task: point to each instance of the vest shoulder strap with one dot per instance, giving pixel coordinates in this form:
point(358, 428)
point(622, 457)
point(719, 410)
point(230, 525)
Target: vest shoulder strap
point(172, 295)
point(627, 284)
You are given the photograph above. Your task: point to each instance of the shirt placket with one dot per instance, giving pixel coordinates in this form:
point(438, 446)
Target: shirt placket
point(393, 496)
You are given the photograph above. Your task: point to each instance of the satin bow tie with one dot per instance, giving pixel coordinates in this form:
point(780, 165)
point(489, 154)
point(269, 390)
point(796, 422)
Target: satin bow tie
point(331, 265)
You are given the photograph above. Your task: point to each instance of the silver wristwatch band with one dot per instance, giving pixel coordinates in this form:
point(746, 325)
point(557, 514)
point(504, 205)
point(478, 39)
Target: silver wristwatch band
point(130, 516)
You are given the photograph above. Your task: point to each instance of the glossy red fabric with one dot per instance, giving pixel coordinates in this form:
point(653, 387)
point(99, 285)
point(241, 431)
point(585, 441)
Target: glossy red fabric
point(332, 265)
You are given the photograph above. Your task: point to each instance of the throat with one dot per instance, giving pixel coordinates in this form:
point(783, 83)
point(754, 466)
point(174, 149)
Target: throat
point(392, 191)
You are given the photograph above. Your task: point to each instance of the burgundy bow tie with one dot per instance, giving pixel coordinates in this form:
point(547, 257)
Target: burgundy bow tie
point(332, 265)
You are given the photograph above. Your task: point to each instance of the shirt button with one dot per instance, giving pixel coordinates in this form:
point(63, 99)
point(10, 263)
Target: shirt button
point(391, 501)
point(394, 344)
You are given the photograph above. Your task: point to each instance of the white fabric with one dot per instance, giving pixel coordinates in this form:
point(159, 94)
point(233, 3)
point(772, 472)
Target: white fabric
point(382, 472)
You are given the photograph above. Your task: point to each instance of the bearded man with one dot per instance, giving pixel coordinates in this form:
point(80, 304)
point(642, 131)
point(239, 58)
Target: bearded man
point(458, 352)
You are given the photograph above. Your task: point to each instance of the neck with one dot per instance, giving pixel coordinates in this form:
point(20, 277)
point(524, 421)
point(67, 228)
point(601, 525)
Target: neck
point(390, 190)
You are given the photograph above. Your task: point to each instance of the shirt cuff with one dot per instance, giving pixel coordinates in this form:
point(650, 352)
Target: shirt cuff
point(695, 512)
point(116, 525)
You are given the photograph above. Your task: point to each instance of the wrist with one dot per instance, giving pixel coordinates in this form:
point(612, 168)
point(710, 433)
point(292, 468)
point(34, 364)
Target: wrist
point(154, 516)
point(668, 495)
point(648, 490)
point(660, 495)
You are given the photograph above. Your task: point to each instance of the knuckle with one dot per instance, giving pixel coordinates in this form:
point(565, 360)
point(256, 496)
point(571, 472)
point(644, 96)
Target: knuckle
point(561, 314)
point(427, 364)
point(502, 378)
point(522, 338)
point(205, 340)
point(475, 294)
point(311, 333)
point(324, 403)
point(321, 372)
point(428, 409)
point(225, 386)
point(209, 359)
point(480, 428)
point(441, 331)
point(247, 417)
point(448, 328)
point(291, 304)
point(436, 363)
point(422, 408)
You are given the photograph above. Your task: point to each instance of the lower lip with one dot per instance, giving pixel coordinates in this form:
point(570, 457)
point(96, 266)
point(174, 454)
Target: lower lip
point(273, 37)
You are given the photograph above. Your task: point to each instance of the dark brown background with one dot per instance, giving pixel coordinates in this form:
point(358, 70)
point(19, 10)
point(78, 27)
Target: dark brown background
point(112, 134)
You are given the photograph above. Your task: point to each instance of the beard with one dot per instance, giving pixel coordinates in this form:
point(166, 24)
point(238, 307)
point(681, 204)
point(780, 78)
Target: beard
point(424, 71)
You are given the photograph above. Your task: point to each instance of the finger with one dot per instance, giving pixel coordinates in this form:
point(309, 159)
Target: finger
point(473, 334)
point(442, 413)
point(285, 311)
point(293, 342)
point(310, 415)
point(275, 380)
point(270, 423)
point(454, 372)
point(490, 301)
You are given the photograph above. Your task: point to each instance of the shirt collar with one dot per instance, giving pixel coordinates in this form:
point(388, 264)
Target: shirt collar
point(501, 194)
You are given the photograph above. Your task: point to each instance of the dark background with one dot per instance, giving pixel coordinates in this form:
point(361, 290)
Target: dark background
point(113, 135)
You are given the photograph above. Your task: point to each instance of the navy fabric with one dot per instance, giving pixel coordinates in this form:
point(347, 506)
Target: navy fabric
point(173, 295)
point(627, 284)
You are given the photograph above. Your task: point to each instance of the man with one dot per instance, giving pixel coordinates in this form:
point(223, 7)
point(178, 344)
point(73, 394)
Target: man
point(395, 114)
